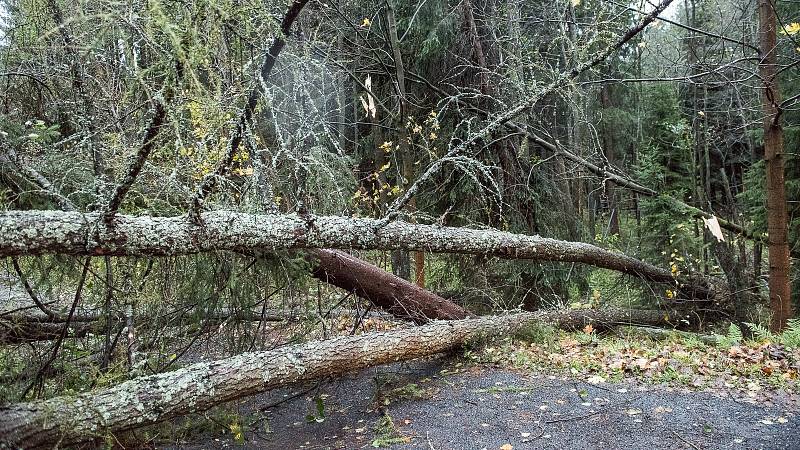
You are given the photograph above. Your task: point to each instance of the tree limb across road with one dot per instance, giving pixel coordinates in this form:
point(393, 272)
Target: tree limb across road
point(151, 399)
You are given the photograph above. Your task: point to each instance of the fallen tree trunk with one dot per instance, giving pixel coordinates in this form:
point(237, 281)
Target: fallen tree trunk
point(399, 297)
point(23, 331)
point(49, 232)
point(17, 329)
point(151, 399)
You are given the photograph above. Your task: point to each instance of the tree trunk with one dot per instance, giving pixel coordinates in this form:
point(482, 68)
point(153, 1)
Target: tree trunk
point(53, 232)
point(610, 158)
point(777, 221)
point(401, 298)
point(150, 399)
point(25, 331)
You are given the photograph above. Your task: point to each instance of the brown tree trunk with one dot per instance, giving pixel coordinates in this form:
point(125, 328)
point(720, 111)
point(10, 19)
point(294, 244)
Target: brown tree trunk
point(19, 331)
point(65, 421)
point(401, 298)
point(777, 221)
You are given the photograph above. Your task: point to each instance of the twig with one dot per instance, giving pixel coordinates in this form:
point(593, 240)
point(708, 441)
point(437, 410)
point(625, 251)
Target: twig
point(42, 370)
point(207, 184)
point(685, 441)
point(138, 161)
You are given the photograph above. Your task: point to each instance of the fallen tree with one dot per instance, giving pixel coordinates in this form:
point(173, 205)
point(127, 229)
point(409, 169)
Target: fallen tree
point(73, 233)
point(404, 300)
point(399, 297)
point(151, 399)
point(16, 331)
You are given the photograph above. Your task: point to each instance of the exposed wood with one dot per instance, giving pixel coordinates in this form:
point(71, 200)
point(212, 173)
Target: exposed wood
point(146, 400)
point(52, 232)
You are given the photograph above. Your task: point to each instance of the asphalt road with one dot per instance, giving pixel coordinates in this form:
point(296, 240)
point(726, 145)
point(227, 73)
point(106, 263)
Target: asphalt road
point(490, 408)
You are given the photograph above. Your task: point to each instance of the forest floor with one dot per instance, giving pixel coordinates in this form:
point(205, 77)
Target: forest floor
point(570, 392)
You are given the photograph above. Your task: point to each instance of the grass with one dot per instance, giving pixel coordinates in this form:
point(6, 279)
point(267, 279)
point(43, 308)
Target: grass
point(677, 359)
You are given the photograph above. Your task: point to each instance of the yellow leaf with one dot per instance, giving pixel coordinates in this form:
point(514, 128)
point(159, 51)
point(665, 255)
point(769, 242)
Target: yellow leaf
point(236, 430)
point(366, 22)
point(576, 3)
point(506, 447)
point(790, 29)
point(386, 166)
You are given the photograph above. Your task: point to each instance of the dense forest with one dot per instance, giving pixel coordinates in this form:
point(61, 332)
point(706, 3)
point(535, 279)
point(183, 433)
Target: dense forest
point(203, 200)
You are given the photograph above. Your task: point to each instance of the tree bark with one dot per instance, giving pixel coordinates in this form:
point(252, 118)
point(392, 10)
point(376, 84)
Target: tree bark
point(610, 157)
point(147, 400)
point(392, 293)
point(777, 220)
point(53, 232)
point(24, 331)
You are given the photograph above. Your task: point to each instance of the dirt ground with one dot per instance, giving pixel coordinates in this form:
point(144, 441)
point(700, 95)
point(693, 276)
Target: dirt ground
point(438, 404)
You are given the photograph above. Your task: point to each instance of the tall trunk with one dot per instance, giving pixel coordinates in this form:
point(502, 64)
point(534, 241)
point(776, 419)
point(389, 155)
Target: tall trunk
point(777, 220)
point(609, 153)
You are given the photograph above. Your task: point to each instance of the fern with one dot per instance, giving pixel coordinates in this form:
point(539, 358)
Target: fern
point(733, 337)
point(791, 335)
point(735, 333)
point(760, 332)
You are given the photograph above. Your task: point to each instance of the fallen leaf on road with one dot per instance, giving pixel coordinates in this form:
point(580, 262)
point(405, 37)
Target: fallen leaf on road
point(596, 379)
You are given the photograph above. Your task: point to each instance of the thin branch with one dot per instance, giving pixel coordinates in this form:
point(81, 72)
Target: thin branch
point(207, 184)
point(9, 156)
point(42, 370)
point(138, 161)
point(509, 114)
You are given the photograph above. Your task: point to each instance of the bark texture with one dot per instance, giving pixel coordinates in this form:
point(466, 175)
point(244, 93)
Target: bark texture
point(53, 232)
point(777, 218)
point(16, 331)
point(401, 298)
point(146, 400)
